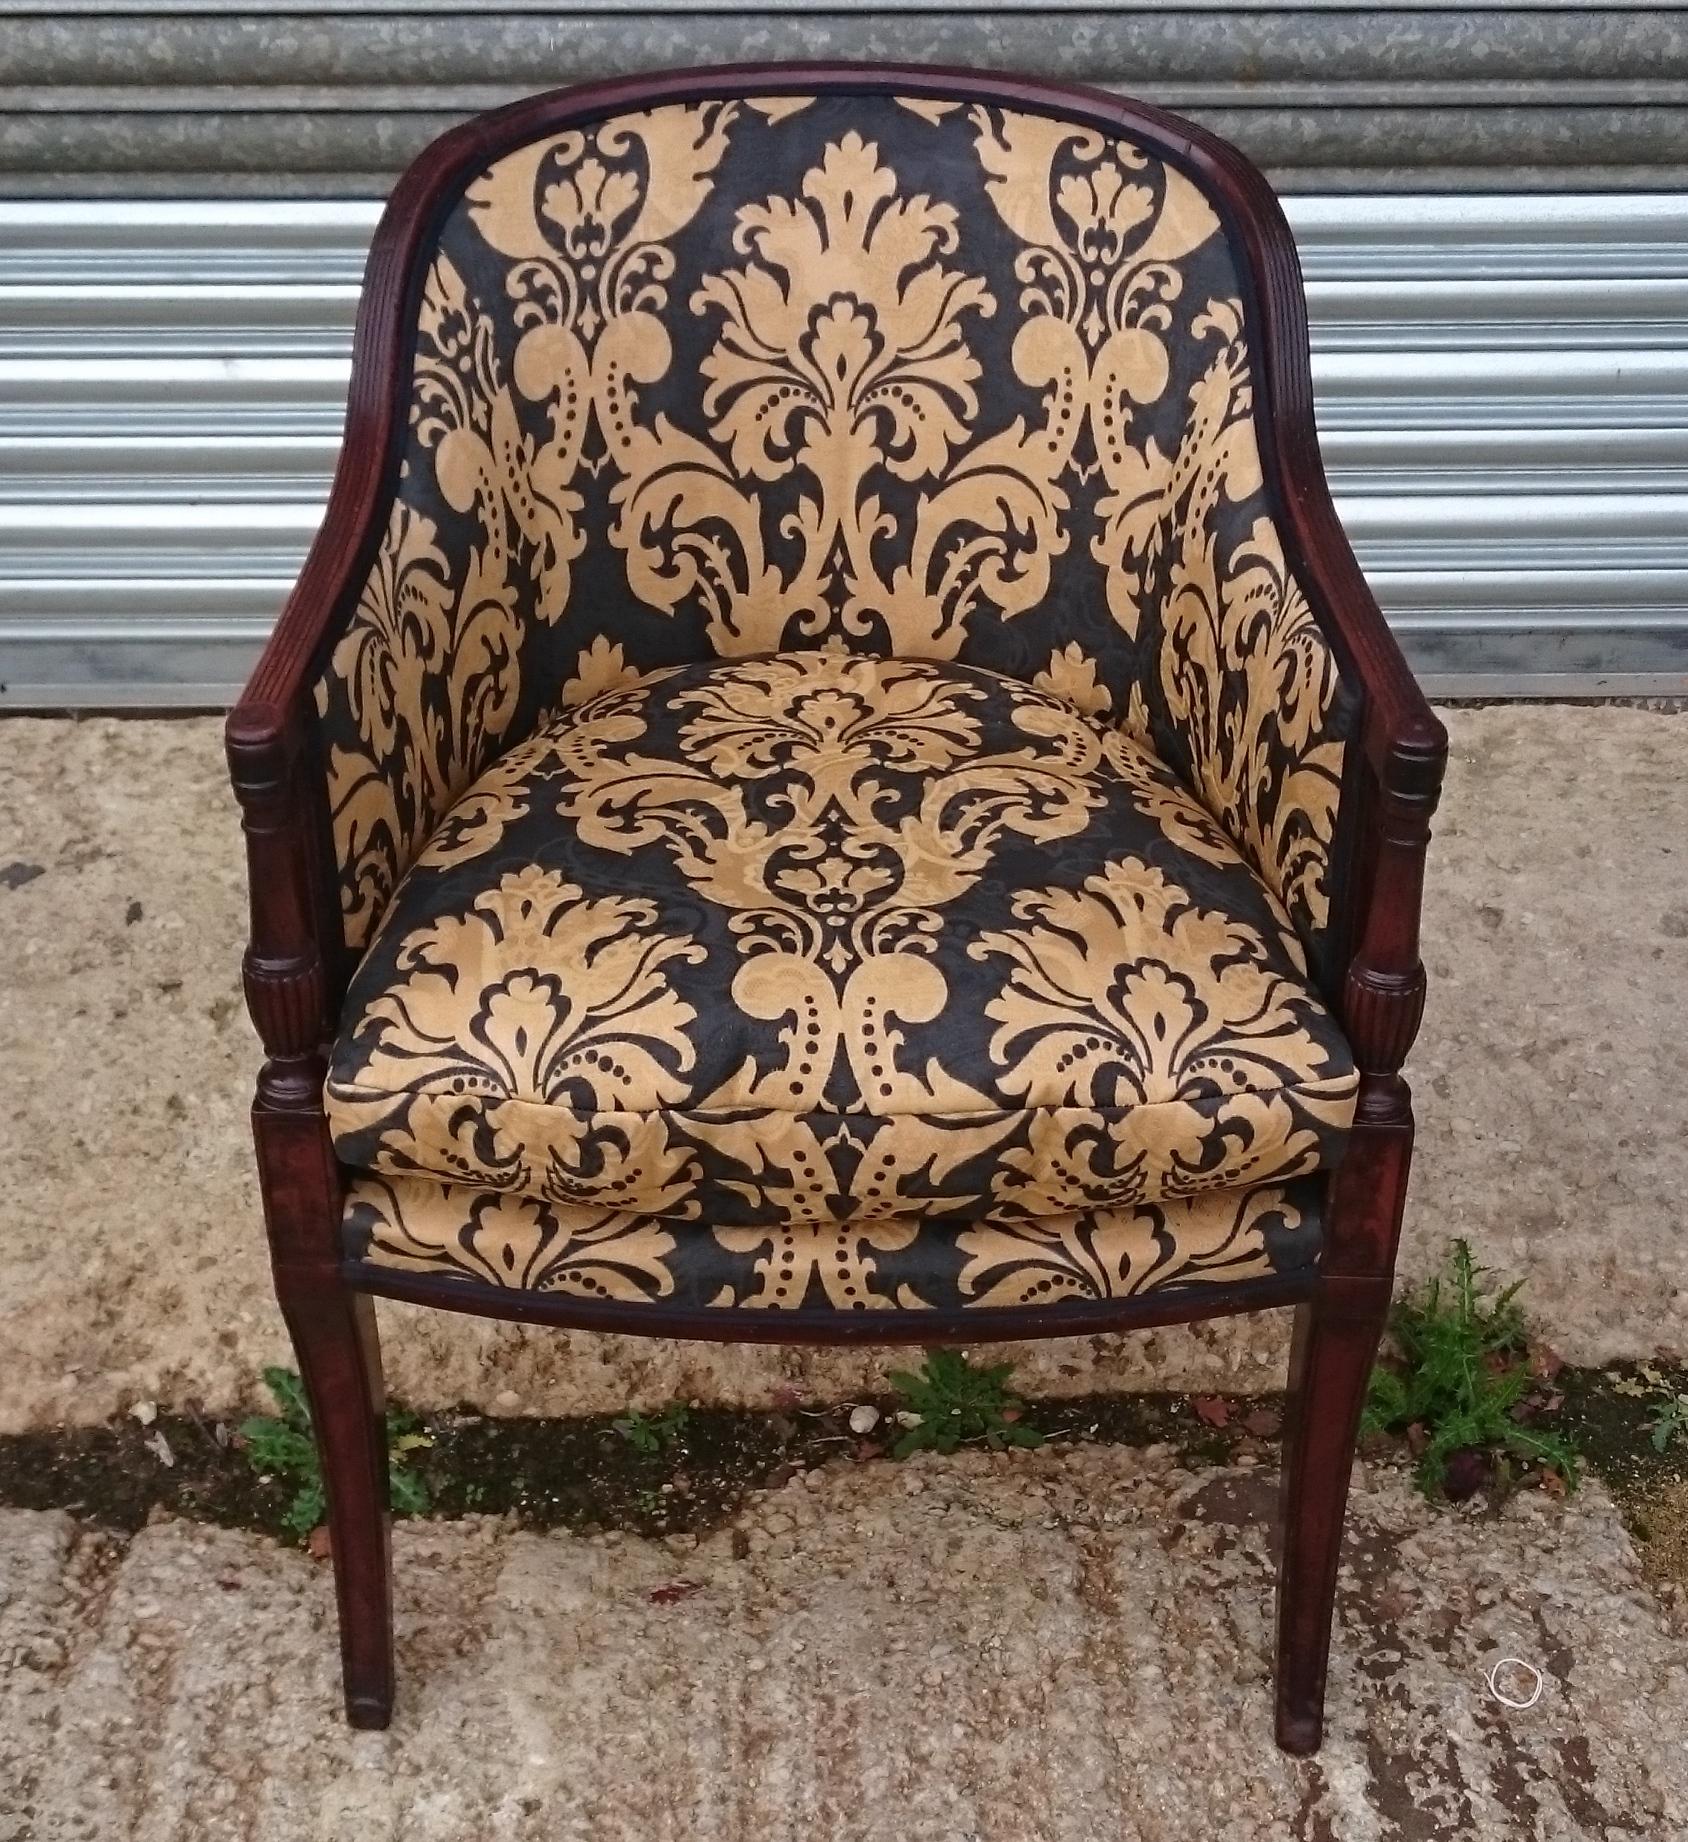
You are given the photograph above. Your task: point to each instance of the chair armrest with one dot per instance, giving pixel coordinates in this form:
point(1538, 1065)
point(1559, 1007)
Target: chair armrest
point(1388, 825)
point(1393, 778)
point(1316, 547)
point(288, 777)
point(1396, 754)
point(1391, 791)
point(293, 963)
point(296, 962)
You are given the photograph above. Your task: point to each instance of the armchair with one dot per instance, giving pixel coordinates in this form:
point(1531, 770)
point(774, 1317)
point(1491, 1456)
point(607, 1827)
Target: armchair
point(830, 775)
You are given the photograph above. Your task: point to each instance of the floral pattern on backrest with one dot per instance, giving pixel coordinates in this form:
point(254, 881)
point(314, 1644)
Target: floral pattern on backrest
point(927, 379)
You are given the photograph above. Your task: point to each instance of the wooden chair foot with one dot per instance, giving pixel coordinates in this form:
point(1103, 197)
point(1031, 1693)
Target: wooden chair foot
point(339, 1353)
point(1336, 1338)
point(1301, 1732)
point(369, 1713)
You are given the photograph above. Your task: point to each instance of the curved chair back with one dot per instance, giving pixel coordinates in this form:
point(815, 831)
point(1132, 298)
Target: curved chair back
point(918, 367)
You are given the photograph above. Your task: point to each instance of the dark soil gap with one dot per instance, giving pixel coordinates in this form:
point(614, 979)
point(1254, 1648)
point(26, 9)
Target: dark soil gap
point(580, 1474)
point(585, 1474)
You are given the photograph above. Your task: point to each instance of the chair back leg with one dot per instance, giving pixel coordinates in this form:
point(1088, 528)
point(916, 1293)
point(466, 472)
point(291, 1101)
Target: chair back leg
point(1335, 1343)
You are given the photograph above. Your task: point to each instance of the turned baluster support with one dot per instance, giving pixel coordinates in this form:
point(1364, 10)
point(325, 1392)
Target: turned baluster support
point(286, 991)
point(1382, 1006)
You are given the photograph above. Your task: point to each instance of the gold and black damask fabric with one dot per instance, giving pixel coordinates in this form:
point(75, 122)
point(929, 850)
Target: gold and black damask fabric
point(790, 959)
point(844, 373)
point(926, 1264)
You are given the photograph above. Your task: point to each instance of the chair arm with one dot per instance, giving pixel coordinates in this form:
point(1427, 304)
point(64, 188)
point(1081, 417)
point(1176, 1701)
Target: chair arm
point(1399, 750)
point(294, 958)
point(1393, 781)
point(1387, 827)
point(289, 777)
point(1393, 777)
point(295, 964)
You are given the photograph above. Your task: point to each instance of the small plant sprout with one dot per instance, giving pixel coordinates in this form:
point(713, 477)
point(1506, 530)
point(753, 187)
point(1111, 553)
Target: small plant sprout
point(649, 1434)
point(280, 1445)
point(948, 1403)
point(1458, 1384)
point(1670, 1423)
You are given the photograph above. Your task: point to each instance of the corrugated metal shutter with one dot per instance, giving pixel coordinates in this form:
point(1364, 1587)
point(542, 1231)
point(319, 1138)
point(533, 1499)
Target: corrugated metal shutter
point(1502, 381)
point(326, 98)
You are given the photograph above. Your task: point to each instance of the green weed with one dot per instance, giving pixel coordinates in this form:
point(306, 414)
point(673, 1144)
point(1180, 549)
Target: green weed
point(948, 1403)
point(649, 1434)
point(1460, 1378)
point(1670, 1423)
point(280, 1445)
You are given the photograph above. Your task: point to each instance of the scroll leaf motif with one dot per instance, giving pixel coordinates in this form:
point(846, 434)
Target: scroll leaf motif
point(1248, 677)
point(380, 781)
point(842, 355)
point(1180, 1041)
point(1120, 1252)
point(432, 679)
point(842, 346)
point(842, 358)
point(490, 1238)
point(1101, 259)
point(588, 219)
point(431, 659)
point(843, 873)
point(475, 1013)
point(790, 1259)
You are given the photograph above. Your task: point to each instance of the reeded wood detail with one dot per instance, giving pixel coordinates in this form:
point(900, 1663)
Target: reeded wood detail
point(1383, 1012)
point(1383, 994)
point(286, 988)
point(287, 1003)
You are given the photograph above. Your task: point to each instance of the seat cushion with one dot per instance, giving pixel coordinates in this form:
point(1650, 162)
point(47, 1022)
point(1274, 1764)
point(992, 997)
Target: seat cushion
point(811, 938)
point(930, 1264)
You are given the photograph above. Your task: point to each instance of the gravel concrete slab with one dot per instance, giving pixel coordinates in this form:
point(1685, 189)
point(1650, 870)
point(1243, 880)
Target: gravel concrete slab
point(1552, 1071)
point(52, 1588)
point(1060, 1645)
point(1553, 1079)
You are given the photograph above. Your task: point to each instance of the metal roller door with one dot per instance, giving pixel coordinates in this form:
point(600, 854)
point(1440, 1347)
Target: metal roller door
point(1491, 208)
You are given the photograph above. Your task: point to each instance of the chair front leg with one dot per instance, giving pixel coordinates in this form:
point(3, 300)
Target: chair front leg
point(1337, 1331)
point(334, 1336)
point(1335, 1342)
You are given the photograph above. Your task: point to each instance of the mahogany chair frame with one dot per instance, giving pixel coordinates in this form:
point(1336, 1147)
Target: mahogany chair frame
point(297, 966)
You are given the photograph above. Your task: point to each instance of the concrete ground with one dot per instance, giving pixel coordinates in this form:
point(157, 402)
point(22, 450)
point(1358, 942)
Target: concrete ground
point(1046, 1647)
point(1552, 1077)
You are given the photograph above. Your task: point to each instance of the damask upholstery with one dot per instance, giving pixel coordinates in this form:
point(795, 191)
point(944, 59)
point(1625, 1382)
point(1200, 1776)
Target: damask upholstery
point(931, 1264)
point(911, 379)
point(899, 979)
